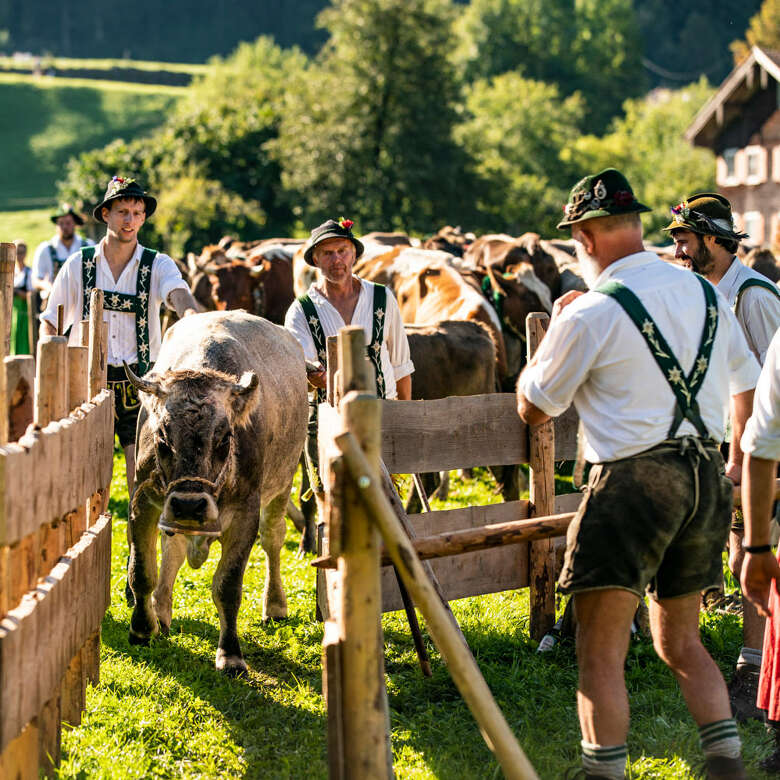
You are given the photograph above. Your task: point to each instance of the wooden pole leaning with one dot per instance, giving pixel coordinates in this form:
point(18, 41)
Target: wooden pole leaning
point(541, 449)
point(7, 268)
point(98, 365)
point(365, 713)
point(32, 321)
point(460, 661)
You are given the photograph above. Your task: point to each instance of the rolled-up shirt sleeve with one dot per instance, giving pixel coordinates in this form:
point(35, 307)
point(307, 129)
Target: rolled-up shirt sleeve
point(761, 438)
point(564, 360)
point(397, 342)
point(167, 278)
point(66, 292)
point(295, 322)
point(41, 266)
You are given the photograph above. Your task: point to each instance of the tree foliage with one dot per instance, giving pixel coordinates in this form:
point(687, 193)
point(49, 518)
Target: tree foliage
point(367, 129)
point(648, 145)
point(516, 131)
point(764, 30)
point(590, 46)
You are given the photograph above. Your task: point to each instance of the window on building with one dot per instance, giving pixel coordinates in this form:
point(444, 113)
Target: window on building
point(752, 164)
point(755, 164)
point(730, 158)
point(753, 225)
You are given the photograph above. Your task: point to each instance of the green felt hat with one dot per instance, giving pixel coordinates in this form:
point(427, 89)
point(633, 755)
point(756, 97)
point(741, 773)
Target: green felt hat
point(66, 210)
point(121, 187)
point(604, 194)
point(708, 214)
point(331, 229)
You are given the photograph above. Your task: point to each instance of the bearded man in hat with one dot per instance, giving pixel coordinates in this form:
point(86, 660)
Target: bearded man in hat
point(648, 357)
point(51, 255)
point(704, 236)
point(338, 299)
point(135, 282)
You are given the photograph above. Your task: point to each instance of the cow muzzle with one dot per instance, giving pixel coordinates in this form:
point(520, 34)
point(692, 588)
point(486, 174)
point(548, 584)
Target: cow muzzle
point(193, 513)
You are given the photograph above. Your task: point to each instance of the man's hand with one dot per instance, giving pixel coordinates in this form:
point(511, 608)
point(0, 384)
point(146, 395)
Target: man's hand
point(734, 472)
point(317, 375)
point(759, 571)
point(563, 302)
point(182, 302)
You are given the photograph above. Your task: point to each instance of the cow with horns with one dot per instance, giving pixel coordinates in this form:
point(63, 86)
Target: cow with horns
point(222, 425)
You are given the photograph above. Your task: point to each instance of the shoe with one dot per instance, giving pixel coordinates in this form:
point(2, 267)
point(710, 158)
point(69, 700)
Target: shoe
point(771, 763)
point(723, 768)
point(578, 773)
point(743, 692)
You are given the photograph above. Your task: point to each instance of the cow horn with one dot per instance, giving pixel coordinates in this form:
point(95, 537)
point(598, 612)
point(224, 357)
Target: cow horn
point(145, 385)
point(495, 284)
point(246, 384)
point(256, 271)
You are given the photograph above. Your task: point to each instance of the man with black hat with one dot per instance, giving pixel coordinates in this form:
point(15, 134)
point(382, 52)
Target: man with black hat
point(135, 281)
point(51, 255)
point(704, 235)
point(648, 357)
point(340, 299)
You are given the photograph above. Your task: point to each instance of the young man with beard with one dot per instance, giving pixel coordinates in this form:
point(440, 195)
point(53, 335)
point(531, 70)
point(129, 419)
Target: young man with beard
point(51, 255)
point(704, 235)
point(648, 357)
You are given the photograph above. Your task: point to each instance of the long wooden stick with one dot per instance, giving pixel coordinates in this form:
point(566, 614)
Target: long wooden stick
point(461, 663)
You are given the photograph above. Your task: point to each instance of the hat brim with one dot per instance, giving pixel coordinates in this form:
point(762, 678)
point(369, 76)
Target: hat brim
point(77, 218)
point(635, 208)
point(149, 201)
point(308, 252)
point(729, 234)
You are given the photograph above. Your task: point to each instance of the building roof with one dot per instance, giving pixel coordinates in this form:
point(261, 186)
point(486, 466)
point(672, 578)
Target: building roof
point(739, 86)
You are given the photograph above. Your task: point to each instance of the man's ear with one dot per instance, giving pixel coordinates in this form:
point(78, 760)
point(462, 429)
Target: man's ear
point(708, 241)
point(588, 240)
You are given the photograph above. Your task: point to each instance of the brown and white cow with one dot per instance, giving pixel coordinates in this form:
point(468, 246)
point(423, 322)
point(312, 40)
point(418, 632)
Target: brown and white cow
point(221, 429)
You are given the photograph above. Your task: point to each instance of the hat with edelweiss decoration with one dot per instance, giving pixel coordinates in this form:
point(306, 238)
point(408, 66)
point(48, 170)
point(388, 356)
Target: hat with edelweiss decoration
point(331, 229)
point(66, 210)
point(707, 214)
point(604, 194)
point(122, 187)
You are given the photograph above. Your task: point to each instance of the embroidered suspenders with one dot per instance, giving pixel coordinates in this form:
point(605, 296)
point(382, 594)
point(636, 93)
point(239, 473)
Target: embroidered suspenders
point(767, 285)
point(685, 388)
point(374, 348)
point(137, 304)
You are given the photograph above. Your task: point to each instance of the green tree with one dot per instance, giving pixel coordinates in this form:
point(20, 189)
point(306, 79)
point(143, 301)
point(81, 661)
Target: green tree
point(516, 131)
point(367, 129)
point(764, 30)
point(648, 145)
point(590, 46)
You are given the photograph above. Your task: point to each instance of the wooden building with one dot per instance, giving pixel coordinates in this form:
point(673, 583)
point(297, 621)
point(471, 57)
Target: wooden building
point(741, 124)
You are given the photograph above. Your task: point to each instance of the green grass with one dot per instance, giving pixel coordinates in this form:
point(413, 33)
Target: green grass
point(47, 121)
point(165, 712)
point(33, 225)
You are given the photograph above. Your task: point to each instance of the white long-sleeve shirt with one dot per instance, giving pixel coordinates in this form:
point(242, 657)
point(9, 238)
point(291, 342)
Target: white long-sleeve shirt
point(395, 356)
point(42, 267)
point(762, 431)
point(594, 356)
point(68, 291)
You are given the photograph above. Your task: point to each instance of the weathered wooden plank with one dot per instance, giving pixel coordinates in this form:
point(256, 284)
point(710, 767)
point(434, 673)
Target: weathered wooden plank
point(64, 605)
point(451, 433)
point(567, 502)
point(49, 734)
point(332, 693)
point(469, 574)
point(19, 760)
point(19, 380)
point(566, 434)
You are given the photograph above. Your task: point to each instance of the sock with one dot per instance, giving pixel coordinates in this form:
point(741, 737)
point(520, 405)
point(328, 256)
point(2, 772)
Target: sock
point(749, 655)
point(720, 739)
point(604, 761)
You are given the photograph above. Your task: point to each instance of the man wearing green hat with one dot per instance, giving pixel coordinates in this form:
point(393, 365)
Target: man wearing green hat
point(648, 357)
point(340, 299)
point(702, 227)
point(136, 281)
point(51, 255)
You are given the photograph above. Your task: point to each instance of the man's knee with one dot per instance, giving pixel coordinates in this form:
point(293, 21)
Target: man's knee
point(678, 651)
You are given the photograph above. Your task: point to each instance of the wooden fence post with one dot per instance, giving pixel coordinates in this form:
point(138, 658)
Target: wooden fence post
point(7, 268)
point(32, 321)
point(51, 380)
point(98, 365)
point(366, 739)
point(20, 384)
point(333, 364)
point(78, 376)
point(541, 449)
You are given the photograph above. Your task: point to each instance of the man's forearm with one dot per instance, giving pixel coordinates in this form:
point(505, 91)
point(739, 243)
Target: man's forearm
point(758, 489)
point(182, 302)
point(403, 387)
point(741, 409)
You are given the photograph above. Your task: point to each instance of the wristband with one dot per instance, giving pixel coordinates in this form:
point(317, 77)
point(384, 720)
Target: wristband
point(757, 548)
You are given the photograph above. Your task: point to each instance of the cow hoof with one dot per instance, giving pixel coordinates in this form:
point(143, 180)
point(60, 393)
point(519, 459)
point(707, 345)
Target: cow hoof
point(139, 639)
point(129, 597)
point(231, 665)
point(165, 628)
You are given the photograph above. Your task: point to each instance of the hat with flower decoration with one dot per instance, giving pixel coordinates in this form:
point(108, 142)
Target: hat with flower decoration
point(331, 229)
point(122, 187)
point(706, 213)
point(604, 194)
point(66, 210)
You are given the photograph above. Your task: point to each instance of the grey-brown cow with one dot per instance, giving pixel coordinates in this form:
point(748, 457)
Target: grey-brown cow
point(222, 426)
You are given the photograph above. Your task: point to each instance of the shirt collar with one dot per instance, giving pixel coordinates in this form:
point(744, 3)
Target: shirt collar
point(629, 261)
point(318, 297)
point(134, 259)
point(729, 279)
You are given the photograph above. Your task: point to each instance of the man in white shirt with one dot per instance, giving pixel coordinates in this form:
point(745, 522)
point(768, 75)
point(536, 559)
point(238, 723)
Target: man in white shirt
point(648, 357)
point(704, 235)
point(135, 281)
point(343, 299)
point(761, 445)
point(51, 255)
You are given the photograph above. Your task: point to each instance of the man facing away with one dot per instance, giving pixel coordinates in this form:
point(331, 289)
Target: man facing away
point(704, 235)
point(648, 357)
point(51, 255)
point(135, 281)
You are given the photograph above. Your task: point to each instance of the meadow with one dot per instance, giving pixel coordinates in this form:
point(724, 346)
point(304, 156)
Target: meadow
point(165, 712)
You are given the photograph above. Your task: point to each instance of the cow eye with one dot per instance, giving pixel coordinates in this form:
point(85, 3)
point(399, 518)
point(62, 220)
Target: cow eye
point(223, 447)
point(163, 448)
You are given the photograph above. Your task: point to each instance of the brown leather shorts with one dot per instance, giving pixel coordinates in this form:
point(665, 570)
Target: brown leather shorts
point(126, 404)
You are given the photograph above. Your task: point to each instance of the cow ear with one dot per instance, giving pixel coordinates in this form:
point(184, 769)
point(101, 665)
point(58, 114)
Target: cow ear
point(246, 384)
point(244, 397)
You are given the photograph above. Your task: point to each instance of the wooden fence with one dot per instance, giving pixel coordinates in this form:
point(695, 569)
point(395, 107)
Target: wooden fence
point(56, 459)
